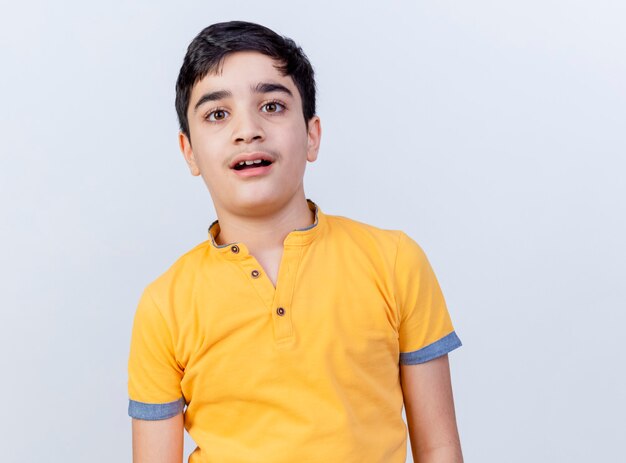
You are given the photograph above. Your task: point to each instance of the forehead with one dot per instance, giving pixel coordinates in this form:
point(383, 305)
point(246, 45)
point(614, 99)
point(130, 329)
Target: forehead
point(240, 72)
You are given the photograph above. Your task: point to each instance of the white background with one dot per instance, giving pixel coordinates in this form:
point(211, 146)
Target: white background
point(492, 132)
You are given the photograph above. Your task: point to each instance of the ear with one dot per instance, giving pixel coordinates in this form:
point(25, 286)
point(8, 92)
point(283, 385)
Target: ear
point(315, 137)
point(185, 148)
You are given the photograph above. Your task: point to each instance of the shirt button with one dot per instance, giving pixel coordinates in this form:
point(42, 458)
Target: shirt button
point(234, 248)
point(280, 311)
point(255, 273)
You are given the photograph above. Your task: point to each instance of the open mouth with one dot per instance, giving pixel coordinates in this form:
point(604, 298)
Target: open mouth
point(251, 164)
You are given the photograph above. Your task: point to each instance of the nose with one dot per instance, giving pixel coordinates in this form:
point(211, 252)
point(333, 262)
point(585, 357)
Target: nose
point(248, 129)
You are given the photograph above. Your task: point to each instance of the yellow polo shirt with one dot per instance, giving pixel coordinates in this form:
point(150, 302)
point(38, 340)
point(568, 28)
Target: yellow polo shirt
point(304, 372)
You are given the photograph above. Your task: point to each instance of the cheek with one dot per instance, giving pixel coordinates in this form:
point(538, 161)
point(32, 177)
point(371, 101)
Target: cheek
point(298, 144)
point(205, 150)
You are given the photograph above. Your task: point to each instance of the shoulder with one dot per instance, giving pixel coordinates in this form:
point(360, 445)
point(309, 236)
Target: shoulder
point(182, 272)
point(377, 245)
point(342, 227)
point(395, 244)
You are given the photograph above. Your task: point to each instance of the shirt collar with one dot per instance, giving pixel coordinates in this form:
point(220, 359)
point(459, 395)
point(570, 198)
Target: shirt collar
point(298, 237)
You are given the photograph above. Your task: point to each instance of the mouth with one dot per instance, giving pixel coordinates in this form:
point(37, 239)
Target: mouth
point(243, 165)
point(251, 161)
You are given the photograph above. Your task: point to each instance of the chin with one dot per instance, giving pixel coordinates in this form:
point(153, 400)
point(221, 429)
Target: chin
point(258, 204)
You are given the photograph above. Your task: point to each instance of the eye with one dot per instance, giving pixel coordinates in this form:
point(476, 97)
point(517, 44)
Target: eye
point(216, 115)
point(273, 107)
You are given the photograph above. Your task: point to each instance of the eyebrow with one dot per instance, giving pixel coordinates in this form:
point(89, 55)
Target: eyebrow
point(212, 96)
point(268, 87)
point(262, 87)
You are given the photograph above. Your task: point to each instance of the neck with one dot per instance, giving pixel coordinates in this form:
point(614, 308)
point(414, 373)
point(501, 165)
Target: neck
point(267, 231)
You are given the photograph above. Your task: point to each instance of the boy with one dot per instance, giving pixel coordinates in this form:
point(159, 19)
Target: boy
point(290, 335)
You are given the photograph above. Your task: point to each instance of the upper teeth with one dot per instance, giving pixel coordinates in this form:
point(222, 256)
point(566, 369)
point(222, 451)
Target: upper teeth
point(249, 163)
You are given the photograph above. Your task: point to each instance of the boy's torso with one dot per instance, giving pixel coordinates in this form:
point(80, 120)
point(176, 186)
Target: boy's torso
point(311, 363)
point(307, 370)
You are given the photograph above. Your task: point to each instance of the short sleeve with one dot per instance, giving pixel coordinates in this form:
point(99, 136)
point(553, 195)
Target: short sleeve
point(154, 375)
point(425, 330)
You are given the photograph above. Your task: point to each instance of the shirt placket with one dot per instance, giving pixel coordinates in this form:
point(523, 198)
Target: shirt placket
point(282, 313)
point(278, 301)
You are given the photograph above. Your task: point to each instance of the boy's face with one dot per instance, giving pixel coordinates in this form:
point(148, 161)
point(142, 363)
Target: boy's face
point(249, 112)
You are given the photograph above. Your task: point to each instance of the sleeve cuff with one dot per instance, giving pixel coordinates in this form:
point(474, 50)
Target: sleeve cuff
point(431, 351)
point(153, 412)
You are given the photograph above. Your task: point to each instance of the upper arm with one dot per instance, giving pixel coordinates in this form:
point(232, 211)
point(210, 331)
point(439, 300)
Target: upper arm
point(158, 441)
point(154, 372)
point(429, 406)
point(154, 375)
point(425, 330)
point(426, 335)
